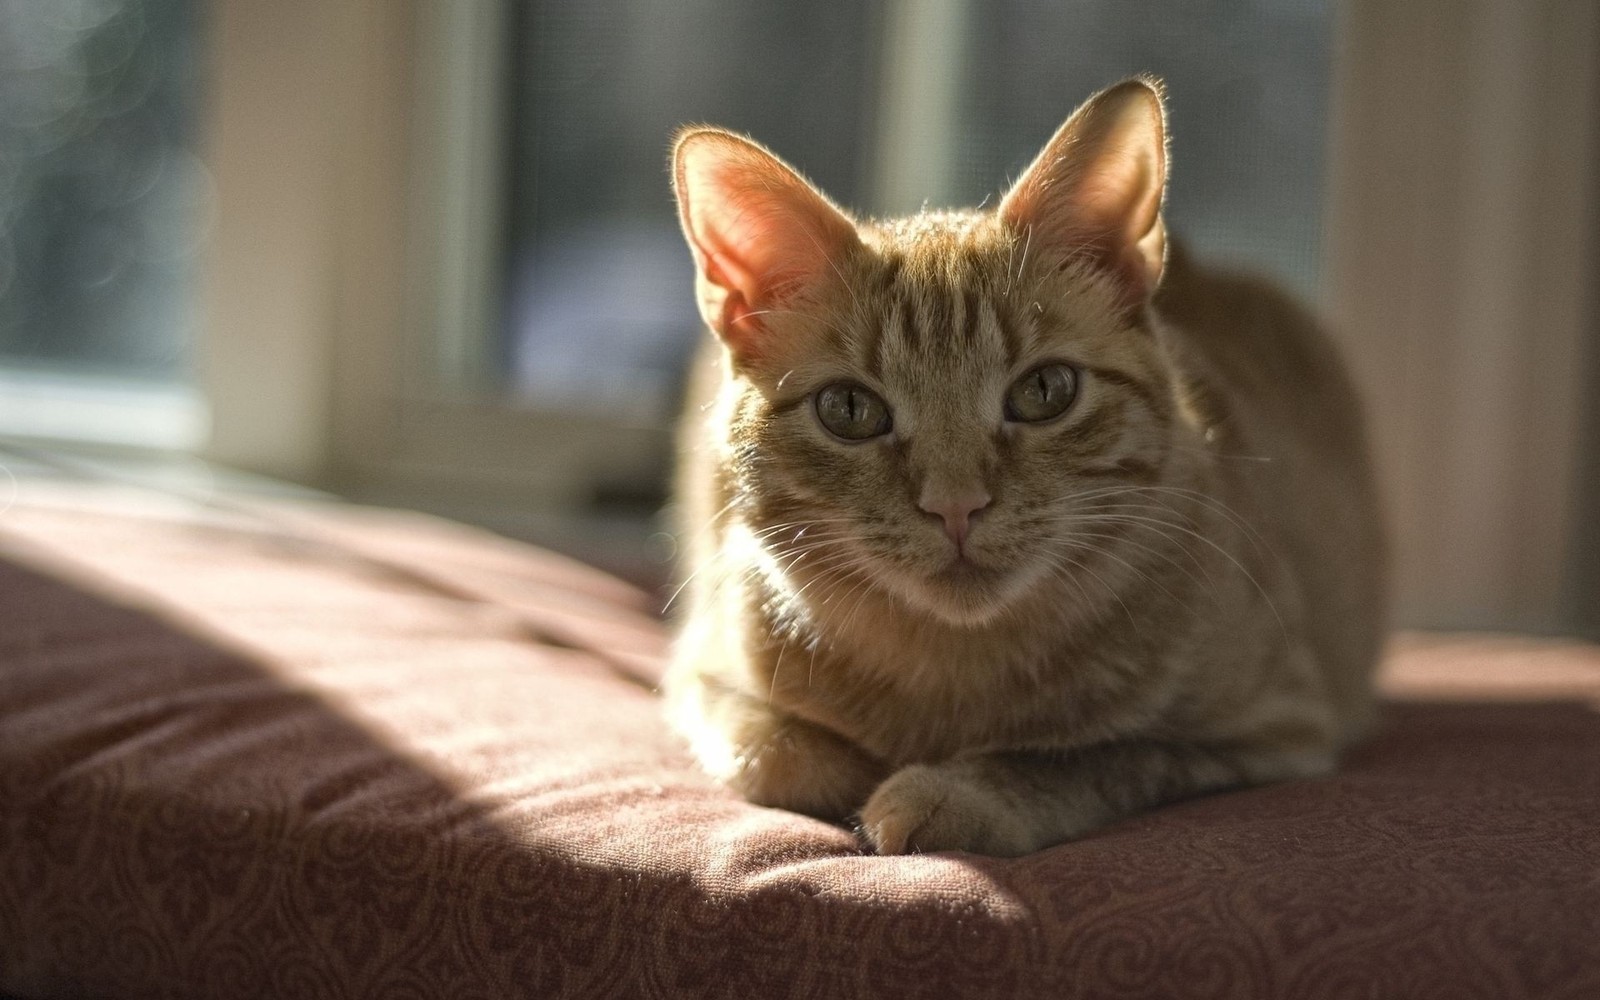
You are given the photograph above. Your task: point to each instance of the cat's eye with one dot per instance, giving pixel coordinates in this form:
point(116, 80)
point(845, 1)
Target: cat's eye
point(852, 412)
point(1042, 394)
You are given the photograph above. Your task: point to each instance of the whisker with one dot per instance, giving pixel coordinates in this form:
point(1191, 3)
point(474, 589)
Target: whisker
point(1108, 588)
point(1107, 553)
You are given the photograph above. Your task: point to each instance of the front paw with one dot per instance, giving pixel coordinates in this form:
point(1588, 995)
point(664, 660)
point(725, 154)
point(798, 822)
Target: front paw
point(768, 756)
point(945, 808)
point(789, 764)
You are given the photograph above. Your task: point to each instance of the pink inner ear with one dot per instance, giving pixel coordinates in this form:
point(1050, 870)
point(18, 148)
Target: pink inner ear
point(761, 235)
point(1095, 191)
point(748, 242)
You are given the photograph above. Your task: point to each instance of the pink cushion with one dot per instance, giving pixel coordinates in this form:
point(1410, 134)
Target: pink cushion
point(325, 752)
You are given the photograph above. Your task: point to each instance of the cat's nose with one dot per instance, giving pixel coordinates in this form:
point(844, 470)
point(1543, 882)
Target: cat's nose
point(956, 510)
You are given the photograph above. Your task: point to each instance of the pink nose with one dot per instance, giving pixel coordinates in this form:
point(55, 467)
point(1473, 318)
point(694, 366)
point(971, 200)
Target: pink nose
point(956, 510)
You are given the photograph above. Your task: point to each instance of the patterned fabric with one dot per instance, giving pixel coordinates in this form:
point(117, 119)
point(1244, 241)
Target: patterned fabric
point(290, 752)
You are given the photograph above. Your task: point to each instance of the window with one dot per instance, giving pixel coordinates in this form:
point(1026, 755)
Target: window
point(445, 272)
point(564, 301)
point(927, 103)
point(599, 310)
point(100, 220)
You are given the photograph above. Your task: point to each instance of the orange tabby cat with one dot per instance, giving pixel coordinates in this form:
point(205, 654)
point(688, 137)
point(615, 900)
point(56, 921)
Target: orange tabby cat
point(1005, 524)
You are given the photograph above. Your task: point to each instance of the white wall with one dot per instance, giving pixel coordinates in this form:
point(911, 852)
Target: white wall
point(1461, 271)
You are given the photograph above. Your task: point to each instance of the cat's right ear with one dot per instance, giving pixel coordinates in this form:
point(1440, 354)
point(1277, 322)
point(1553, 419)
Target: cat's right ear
point(762, 237)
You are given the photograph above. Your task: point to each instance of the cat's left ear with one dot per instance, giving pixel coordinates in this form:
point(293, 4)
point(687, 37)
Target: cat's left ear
point(762, 237)
point(1094, 193)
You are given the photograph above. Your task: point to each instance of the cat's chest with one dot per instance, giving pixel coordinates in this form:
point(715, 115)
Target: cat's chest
point(913, 695)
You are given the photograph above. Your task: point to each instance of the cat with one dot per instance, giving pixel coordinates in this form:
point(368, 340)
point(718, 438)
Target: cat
point(1003, 525)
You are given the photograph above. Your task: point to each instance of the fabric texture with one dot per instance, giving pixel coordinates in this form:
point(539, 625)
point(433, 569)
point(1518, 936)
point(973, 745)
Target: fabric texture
point(286, 750)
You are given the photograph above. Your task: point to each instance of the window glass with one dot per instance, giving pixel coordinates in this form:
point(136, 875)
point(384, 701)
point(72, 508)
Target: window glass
point(600, 310)
point(98, 186)
point(1247, 84)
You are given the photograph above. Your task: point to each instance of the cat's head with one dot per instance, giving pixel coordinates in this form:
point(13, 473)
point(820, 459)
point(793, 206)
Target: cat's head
point(930, 405)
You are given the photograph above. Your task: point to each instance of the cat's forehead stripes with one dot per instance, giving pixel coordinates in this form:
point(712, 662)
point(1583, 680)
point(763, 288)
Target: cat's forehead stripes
point(939, 333)
point(941, 314)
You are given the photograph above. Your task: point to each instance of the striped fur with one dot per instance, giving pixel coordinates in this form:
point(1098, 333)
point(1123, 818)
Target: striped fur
point(1174, 588)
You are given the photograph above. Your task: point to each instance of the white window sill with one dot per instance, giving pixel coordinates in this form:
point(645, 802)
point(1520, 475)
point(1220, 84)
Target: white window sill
point(52, 406)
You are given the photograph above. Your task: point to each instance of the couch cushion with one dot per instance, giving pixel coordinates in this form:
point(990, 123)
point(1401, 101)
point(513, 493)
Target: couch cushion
point(282, 749)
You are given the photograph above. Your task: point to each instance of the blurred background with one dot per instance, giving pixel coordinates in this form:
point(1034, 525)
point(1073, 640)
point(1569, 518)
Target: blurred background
point(423, 253)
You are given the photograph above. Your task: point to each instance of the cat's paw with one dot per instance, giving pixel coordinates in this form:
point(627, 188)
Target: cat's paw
point(792, 765)
point(942, 808)
point(768, 756)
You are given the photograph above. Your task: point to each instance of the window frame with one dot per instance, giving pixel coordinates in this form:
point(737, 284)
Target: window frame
point(322, 334)
point(357, 223)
